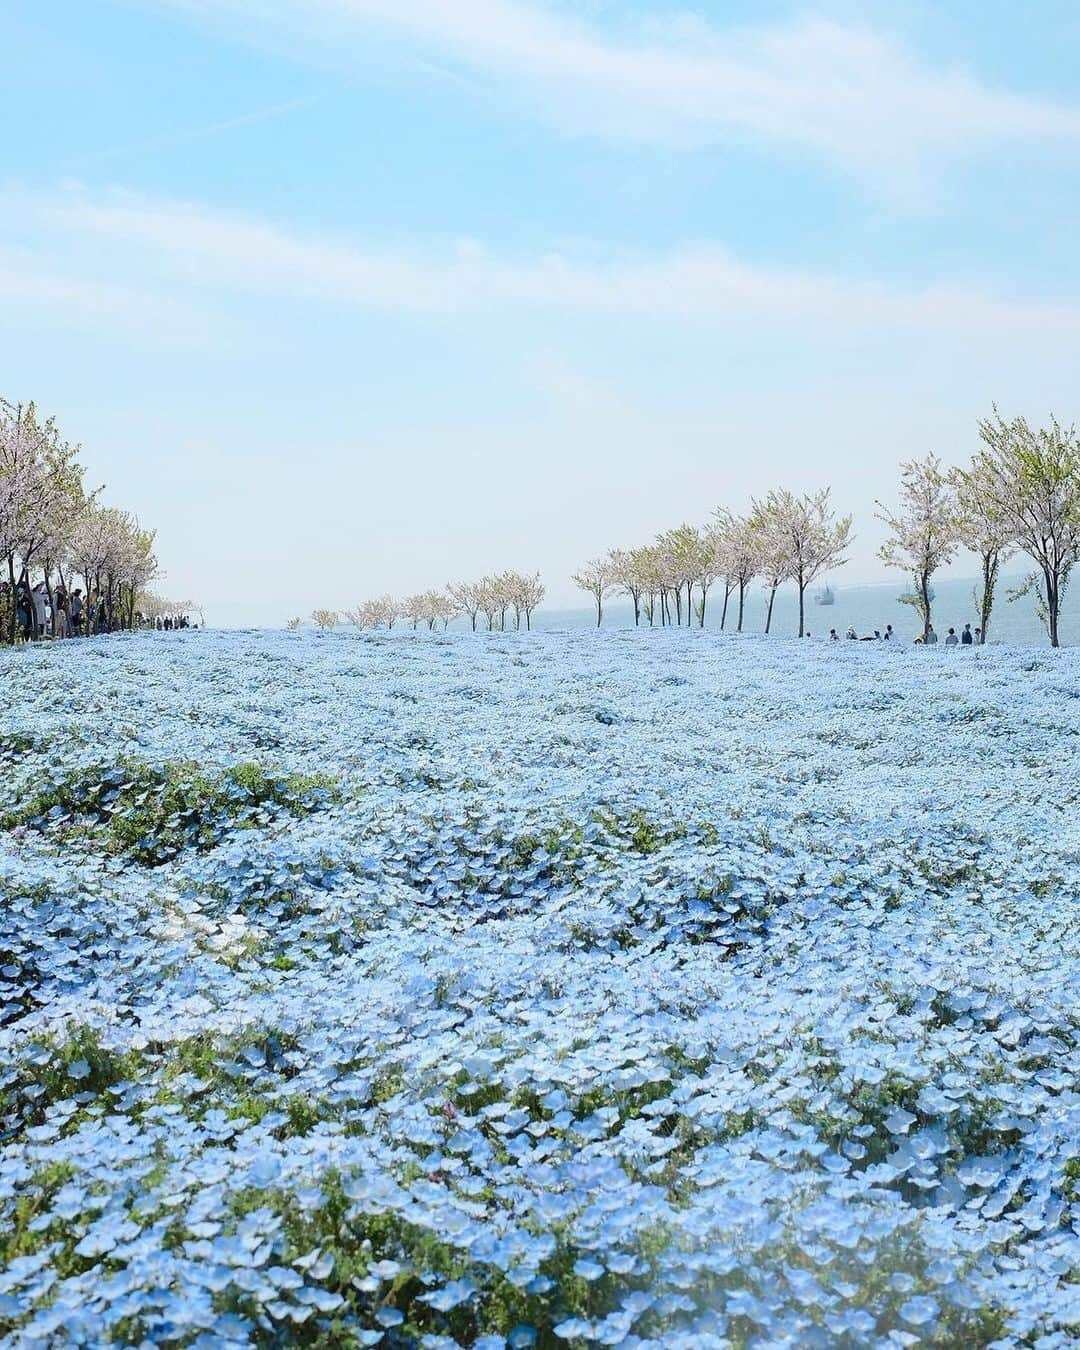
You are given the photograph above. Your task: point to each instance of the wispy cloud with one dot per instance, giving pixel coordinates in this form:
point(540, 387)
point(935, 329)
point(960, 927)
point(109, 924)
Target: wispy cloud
point(197, 252)
point(204, 131)
point(846, 93)
point(44, 292)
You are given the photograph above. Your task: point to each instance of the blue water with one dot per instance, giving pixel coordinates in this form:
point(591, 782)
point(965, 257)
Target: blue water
point(864, 607)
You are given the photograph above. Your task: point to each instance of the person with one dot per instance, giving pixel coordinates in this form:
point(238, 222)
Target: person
point(834, 636)
point(851, 633)
point(61, 623)
point(39, 598)
point(75, 609)
point(978, 637)
point(888, 633)
point(877, 634)
point(965, 636)
point(951, 640)
point(23, 605)
point(931, 636)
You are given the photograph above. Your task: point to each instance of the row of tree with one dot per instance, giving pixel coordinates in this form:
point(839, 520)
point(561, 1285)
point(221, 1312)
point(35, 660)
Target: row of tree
point(56, 535)
point(786, 537)
point(494, 597)
point(1021, 492)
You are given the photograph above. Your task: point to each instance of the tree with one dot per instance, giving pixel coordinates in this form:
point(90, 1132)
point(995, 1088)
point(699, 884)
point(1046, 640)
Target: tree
point(982, 529)
point(441, 607)
point(706, 567)
point(626, 577)
point(490, 597)
point(681, 552)
point(925, 532)
point(723, 529)
point(815, 539)
point(744, 561)
point(1031, 480)
point(529, 596)
point(414, 608)
point(647, 571)
point(293, 624)
point(468, 598)
point(772, 547)
point(595, 577)
point(324, 618)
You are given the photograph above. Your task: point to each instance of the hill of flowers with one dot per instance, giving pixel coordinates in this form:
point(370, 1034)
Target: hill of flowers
point(645, 989)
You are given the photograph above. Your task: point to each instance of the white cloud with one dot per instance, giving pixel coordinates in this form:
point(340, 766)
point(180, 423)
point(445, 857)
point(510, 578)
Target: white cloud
point(197, 249)
point(37, 292)
point(844, 92)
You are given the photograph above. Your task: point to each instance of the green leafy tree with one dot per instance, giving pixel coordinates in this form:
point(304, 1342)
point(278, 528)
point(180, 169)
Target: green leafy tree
point(1031, 480)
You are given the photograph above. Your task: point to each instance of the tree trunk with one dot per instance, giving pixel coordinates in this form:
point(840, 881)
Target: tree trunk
point(599, 608)
point(990, 567)
point(1052, 606)
point(24, 580)
point(13, 622)
point(701, 616)
point(723, 613)
point(768, 612)
point(924, 588)
point(47, 574)
point(802, 607)
point(742, 598)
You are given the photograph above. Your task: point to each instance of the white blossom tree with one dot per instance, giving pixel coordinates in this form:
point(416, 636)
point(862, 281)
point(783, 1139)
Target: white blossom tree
point(468, 598)
point(982, 529)
point(596, 578)
point(626, 577)
point(925, 531)
point(816, 539)
point(744, 561)
point(772, 547)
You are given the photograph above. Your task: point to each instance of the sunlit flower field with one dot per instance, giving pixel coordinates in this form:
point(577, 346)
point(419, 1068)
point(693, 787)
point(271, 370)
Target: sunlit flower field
point(623, 989)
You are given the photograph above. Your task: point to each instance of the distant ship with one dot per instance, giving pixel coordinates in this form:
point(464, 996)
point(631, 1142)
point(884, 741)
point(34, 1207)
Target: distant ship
point(825, 596)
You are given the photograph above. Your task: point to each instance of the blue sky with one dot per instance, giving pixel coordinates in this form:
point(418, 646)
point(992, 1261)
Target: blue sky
point(362, 295)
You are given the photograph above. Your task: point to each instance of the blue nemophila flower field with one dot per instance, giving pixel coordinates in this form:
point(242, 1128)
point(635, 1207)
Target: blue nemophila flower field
point(636, 989)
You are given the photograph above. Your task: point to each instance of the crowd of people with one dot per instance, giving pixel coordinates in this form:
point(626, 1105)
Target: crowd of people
point(968, 637)
point(60, 613)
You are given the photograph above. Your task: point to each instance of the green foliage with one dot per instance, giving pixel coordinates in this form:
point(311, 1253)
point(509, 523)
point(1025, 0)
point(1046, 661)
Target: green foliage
point(151, 813)
point(81, 1066)
point(356, 1239)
